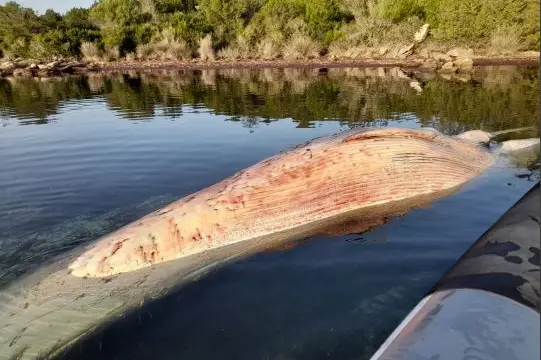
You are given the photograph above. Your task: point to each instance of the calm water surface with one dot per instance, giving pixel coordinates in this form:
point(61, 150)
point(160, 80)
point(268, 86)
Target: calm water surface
point(81, 156)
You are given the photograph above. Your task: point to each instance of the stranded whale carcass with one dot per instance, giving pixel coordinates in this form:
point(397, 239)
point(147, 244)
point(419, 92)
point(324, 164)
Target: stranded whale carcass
point(323, 179)
point(344, 183)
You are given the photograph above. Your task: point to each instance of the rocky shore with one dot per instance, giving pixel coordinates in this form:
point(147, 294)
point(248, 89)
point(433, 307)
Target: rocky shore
point(453, 62)
point(415, 56)
point(29, 68)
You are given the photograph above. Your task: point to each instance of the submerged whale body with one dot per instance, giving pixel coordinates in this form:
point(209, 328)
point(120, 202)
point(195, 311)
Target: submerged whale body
point(324, 179)
point(339, 184)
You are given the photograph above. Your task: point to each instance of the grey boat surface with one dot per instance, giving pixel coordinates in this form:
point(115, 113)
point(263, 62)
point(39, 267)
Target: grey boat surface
point(487, 306)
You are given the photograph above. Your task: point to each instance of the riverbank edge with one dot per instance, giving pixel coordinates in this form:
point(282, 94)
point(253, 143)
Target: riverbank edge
point(303, 64)
point(463, 63)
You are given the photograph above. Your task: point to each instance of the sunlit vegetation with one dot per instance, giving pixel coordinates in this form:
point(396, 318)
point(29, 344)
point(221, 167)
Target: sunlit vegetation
point(267, 29)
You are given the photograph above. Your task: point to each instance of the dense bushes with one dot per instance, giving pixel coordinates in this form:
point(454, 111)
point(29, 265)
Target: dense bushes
point(25, 34)
point(261, 28)
point(474, 22)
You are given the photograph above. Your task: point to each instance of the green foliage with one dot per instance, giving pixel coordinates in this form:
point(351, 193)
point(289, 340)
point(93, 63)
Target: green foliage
point(323, 17)
point(78, 18)
point(108, 13)
point(397, 11)
point(530, 25)
point(24, 34)
point(227, 18)
point(121, 37)
point(143, 33)
point(17, 25)
point(189, 27)
point(472, 21)
point(51, 19)
point(275, 20)
point(283, 10)
point(51, 43)
point(174, 6)
point(127, 24)
point(319, 19)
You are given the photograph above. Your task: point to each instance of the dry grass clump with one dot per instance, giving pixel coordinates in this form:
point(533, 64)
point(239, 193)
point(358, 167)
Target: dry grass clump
point(90, 51)
point(268, 49)
point(164, 47)
point(300, 47)
point(131, 57)
point(206, 51)
point(164, 50)
point(144, 51)
point(229, 53)
point(178, 50)
point(239, 49)
point(339, 51)
point(373, 38)
point(505, 41)
point(111, 53)
point(373, 33)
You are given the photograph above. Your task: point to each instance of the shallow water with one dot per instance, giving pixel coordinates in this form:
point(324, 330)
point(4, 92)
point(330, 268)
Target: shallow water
point(82, 156)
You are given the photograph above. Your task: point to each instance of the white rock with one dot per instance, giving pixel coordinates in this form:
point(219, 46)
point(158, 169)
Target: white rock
point(440, 56)
point(406, 50)
point(448, 67)
point(429, 65)
point(8, 65)
point(421, 34)
point(52, 64)
point(416, 85)
point(464, 64)
point(460, 53)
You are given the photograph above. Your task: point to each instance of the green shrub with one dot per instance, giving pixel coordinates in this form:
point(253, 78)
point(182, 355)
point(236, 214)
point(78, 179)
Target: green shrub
point(120, 37)
point(18, 48)
point(469, 21)
point(144, 33)
point(323, 18)
point(174, 6)
point(107, 13)
point(45, 46)
point(252, 28)
point(189, 27)
point(530, 25)
point(227, 18)
point(276, 20)
point(397, 11)
point(78, 18)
